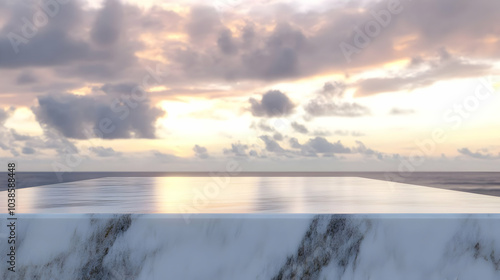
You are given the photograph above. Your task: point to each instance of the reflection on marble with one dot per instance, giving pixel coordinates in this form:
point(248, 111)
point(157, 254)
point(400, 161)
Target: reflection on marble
point(246, 195)
point(253, 246)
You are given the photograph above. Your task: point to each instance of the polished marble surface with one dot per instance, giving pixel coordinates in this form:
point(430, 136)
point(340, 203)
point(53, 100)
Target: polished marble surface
point(221, 194)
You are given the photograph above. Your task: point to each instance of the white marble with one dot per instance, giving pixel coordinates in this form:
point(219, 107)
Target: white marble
point(246, 195)
point(252, 246)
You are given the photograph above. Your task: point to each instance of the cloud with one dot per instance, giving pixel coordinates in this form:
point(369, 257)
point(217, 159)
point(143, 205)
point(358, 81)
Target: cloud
point(47, 46)
point(108, 24)
point(48, 141)
point(237, 149)
point(273, 45)
point(77, 44)
point(13, 141)
point(333, 89)
point(240, 150)
point(26, 78)
point(330, 102)
point(399, 111)
point(294, 143)
point(261, 125)
point(164, 157)
point(117, 90)
point(321, 145)
point(85, 45)
point(5, 114)
point(200, 152)
point(278, 136)
point(300, 128)
point(341, 132)
point(321, 108)
point(273, 103)
point(444, 67)
point(19, 137)
point(321, 133)
point(357, 134)
point(362, 149)
point(271, 145)
point(226, 43)
point(104, 152)
point(28, 151)
point(81, 117)
point(482, 154)
point(202, 22)
point(278, 56)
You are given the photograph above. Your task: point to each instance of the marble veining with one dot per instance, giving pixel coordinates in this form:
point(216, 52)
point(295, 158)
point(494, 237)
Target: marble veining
point(271, 246)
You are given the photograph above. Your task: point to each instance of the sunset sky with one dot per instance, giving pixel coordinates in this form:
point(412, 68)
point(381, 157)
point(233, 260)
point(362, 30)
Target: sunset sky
point(273, 85)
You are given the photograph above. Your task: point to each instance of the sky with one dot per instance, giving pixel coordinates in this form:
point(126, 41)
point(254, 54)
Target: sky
point(264, 85)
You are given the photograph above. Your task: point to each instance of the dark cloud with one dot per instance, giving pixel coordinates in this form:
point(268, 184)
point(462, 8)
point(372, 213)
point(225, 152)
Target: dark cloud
point(203, 21)
point(67, 45)
point(49, 48)
point(287, 51)
point(273, 103)
point(321, 145)
point(274, 55)
point(50, 45)
point(104, 152)
point(108, 24)
point(79, 117)
point(271, 45)
point(333, 89)
point(248, 34)
point(157, 19)
point(85, 44)
point(482, 154)
point(226, 43)
point(300, 128)
point(28, 151)
point(237, 149)
point(19, 137)
point(26, 78)
point(116, 90)
point(271, 145)
point(278, 136)
point(294, 143)
point(200, 152)
point(278, 55)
